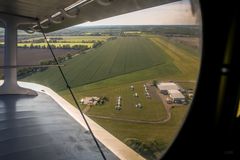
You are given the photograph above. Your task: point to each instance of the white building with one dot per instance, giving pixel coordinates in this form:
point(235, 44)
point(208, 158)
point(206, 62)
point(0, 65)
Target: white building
point(176, 96)
point(164, 87)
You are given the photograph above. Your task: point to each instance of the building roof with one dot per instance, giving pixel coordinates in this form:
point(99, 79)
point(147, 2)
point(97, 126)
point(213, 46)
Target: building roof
point(175, 94)
point(168, 86)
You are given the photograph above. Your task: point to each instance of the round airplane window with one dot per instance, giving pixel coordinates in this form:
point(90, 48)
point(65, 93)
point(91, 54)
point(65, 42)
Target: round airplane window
point(133, 68)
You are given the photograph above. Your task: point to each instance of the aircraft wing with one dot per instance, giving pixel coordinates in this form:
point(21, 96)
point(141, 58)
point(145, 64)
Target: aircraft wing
point(59, 14)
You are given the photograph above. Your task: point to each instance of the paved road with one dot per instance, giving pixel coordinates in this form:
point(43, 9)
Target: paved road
point(128, 120)
point(166, 105)
point(155, 91)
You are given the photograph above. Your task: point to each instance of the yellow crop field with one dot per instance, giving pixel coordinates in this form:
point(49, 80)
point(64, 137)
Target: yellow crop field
point(89, 45)
point(85, 38)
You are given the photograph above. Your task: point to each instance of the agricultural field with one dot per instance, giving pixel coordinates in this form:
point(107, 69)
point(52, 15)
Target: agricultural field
point(73, 38)
point(57, 44)
point(84, 38)
point(35, 56)
point(123, 56)
point(109, 71)
point(62, 45)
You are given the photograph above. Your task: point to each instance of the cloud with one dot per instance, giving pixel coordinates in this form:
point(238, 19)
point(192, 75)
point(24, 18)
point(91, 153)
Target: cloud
point(177, 13)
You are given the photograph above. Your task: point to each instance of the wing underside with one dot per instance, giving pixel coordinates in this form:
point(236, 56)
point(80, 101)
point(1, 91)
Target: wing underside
point(59, 14)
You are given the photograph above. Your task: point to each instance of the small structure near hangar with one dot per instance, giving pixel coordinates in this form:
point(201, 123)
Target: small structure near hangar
point(176, 96)
point(165, 87)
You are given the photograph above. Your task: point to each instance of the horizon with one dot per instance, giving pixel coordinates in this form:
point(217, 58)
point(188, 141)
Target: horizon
point(105, 25)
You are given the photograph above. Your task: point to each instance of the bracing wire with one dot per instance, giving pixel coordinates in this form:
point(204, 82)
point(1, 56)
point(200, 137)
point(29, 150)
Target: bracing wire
point(71, 92)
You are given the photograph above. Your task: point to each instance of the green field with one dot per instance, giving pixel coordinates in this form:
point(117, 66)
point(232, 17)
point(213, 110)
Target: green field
point(153, 109)
point(109, 70)
point(147, 134)
point(116, 57)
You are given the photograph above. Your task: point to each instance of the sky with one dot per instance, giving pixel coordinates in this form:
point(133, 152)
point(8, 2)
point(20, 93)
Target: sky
point(177, 13)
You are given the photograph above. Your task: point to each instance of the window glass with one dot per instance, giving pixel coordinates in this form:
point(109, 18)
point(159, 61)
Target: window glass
point(134, 74)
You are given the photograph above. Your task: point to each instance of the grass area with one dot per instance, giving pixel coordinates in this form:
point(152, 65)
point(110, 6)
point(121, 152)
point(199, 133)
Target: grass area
point(147, 133)
point(116, 57)
point(185, 61)
point(185, 47)
point(152, 110)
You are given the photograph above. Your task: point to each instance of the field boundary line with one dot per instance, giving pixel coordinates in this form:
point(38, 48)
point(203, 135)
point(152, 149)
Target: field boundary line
point(130, 120)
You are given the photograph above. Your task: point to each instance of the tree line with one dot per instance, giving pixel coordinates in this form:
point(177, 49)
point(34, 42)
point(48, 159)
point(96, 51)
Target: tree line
point(24, 72)
point(60, 40)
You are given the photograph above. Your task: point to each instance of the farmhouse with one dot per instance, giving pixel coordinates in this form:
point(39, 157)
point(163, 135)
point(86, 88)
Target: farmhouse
point(164, 87)
point(176, 96)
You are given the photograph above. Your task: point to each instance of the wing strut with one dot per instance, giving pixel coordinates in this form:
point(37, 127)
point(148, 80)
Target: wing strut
point(10, 85)
point(71, 92)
